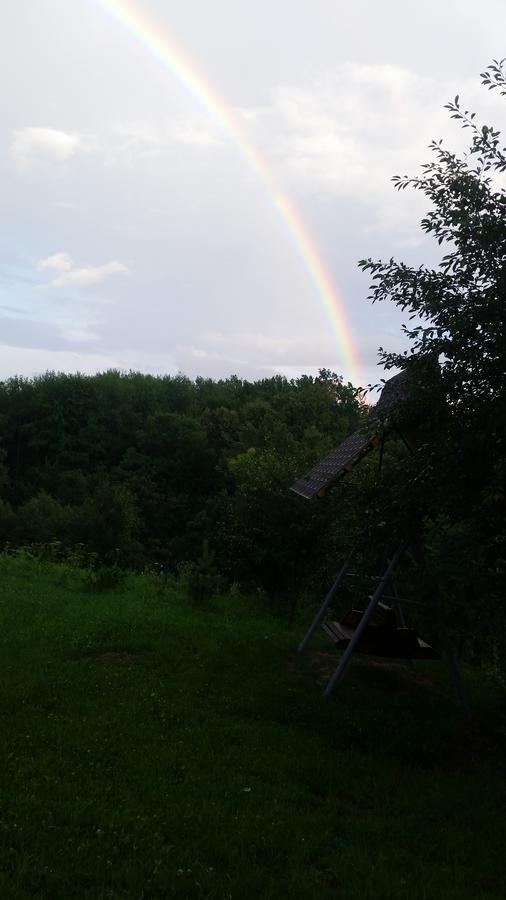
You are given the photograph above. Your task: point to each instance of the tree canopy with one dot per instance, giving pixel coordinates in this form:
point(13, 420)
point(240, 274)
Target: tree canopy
point(145, 470)
point(456, 316)
point(457, 308)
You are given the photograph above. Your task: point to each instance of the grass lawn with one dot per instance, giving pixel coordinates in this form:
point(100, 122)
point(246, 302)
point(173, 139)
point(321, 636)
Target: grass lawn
point(152, 750)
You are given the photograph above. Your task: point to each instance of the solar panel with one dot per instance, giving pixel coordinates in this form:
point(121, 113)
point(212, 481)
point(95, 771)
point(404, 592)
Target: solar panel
point(398, 402)
point(334, 465)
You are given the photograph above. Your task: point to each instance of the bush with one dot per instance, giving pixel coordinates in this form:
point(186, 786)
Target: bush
point(200, 578)
point(104, 578)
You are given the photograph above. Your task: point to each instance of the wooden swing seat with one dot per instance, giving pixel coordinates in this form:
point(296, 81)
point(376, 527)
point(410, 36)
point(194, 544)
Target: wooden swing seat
point(381, 637)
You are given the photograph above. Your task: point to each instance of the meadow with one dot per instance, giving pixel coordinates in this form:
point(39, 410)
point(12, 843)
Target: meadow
point(154, 749)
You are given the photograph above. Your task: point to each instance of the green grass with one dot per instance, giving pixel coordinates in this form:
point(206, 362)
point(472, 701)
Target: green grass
point(152, 750)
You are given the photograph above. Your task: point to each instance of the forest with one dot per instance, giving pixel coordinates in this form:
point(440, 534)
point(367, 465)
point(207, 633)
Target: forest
point(146, 471)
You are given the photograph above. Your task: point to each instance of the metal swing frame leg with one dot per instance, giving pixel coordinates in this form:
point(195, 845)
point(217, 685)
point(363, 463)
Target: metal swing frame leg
point(401, 618)
point(364, 621)
point(444, 640)
point(323, 608)
point(454, 671)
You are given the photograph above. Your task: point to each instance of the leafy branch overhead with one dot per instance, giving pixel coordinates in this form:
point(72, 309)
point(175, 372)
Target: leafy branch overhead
point(456, 311)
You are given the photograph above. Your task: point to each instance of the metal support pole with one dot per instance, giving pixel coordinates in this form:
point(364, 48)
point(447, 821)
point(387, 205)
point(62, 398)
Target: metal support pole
point(399, 614)
point(404, 440)
point(454, 671)
point(443, 638)
point(323, 608)
point(382, 448)
point(364, 621)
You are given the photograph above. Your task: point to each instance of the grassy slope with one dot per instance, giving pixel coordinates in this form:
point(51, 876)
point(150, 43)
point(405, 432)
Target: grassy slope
point(152, 750)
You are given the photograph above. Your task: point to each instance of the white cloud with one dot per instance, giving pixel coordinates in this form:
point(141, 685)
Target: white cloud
point(130, 143)
point(196, 133)
point(60, 261)
point(78, 276)
point(31, 146)
point(267, 350)
point(137, 143)
point(79, 334)
point(347, 131)
point(249, 342)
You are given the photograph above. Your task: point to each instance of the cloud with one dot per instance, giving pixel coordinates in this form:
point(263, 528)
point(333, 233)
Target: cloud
point(80, 334)
point(344, 133)
point(78, 276)
point(197, 134)
point(31, 146)
point(261, 350)
point(137, 143)
point(63, 204)
point(31, 361)
point(60, 261)
point(255, 355)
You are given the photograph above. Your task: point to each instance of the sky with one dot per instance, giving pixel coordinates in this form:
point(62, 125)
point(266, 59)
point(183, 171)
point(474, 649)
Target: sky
point(192, 194)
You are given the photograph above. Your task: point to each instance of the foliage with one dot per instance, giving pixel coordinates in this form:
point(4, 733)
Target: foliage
point(458, 307)
point(201, 579)
point(142, 470)
point(104, 578)
point(456, 316)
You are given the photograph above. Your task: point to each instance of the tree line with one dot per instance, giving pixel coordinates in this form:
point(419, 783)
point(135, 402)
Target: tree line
point(148, 470)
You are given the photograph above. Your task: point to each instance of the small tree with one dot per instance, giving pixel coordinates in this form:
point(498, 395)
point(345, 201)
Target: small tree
point(458, 308)
point(457, 315)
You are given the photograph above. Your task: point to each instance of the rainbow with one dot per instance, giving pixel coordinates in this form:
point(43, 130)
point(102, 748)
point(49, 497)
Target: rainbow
point(147, 33)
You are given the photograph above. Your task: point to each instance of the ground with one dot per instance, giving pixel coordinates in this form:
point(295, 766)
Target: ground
point(156, 750)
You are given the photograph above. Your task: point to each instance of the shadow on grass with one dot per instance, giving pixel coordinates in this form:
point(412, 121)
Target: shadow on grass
point(410, 715)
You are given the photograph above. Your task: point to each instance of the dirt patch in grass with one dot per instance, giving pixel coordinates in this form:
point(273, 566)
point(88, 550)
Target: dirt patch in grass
point(475, 741)
point(380, 674)
point(115, 658)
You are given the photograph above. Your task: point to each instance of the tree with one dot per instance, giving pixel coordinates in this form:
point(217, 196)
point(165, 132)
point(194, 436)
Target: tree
point(458, 307)
point(457, 316)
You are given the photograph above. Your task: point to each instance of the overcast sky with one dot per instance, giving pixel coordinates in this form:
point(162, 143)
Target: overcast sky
point(134, 234)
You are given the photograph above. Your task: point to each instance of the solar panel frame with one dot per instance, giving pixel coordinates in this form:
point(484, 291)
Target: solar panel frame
point(391, 407)
point(333, 466)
